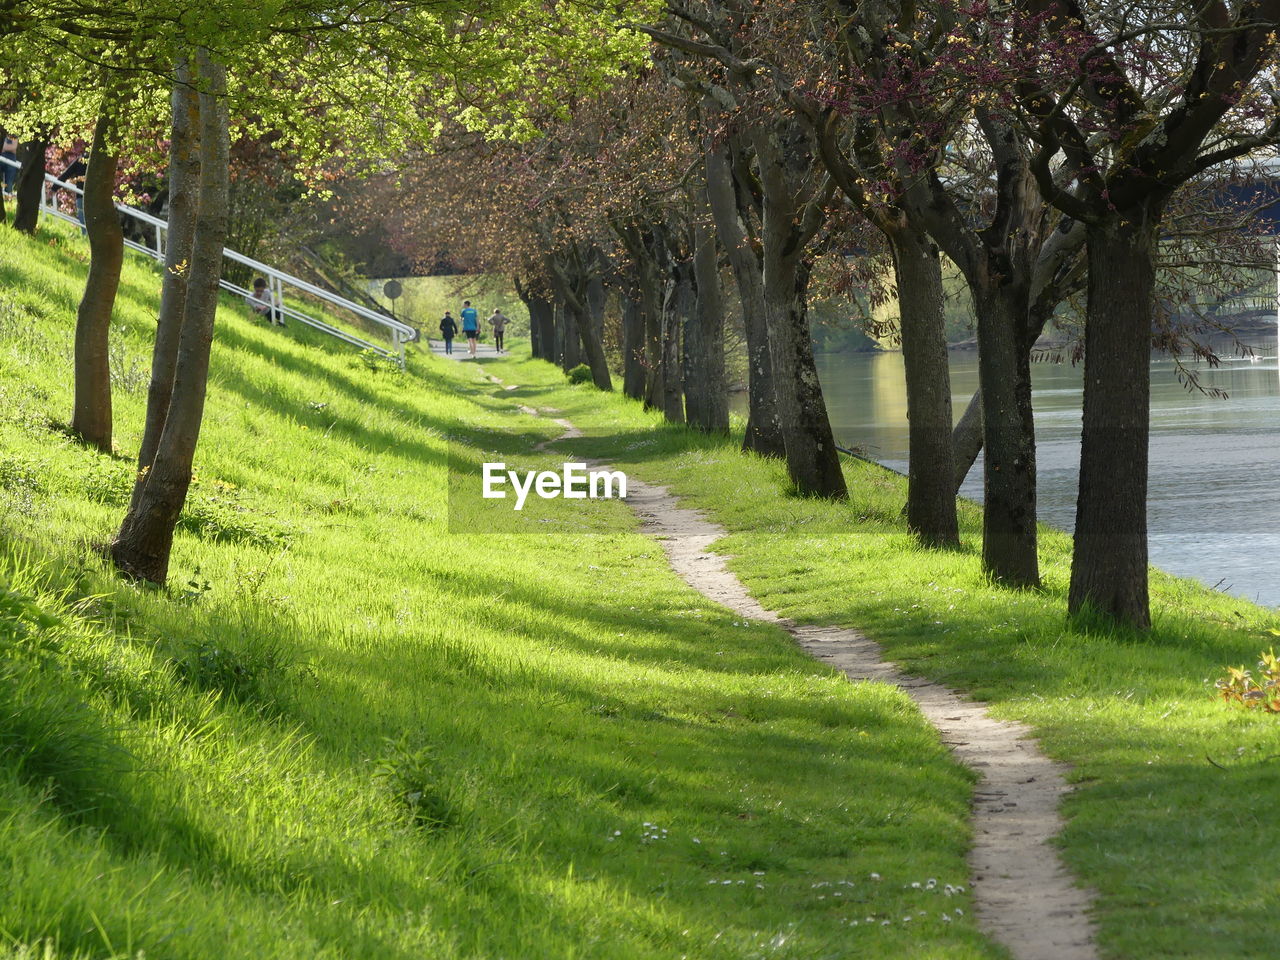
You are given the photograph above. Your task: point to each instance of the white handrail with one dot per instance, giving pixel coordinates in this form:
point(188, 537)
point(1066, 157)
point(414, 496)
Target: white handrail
point(400, 333)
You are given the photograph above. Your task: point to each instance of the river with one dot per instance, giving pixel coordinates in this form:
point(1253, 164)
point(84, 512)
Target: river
point(1214, 497)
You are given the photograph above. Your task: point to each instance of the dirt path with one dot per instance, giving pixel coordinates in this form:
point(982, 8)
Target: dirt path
point(1024, 898)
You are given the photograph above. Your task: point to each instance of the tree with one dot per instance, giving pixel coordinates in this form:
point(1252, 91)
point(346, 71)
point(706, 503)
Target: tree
point(1135, 100)
point(91, 416)
point(793, 197)
point(904, 87)
point(406, 50)
point(142, 547)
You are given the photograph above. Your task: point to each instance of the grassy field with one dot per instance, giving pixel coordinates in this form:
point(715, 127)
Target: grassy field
point(1174, 818)
point(345, 731)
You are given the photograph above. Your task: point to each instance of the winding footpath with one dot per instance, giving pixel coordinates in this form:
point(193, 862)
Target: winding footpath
point(1024, 897)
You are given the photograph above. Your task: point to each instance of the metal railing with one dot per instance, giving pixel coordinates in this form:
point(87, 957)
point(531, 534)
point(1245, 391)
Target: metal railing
point(277, 280)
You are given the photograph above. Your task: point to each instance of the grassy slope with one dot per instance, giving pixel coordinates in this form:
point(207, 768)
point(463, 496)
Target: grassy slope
point(1182, 851)
point(348, 732)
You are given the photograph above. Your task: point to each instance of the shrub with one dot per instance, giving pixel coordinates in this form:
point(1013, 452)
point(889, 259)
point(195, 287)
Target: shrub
point(108, 481)
point(1240, 686)
point(409, 775)
point(20, 482)
point(241, 674)
point(220, 512)
point(130, 371)
point(375, 362)
point(580, 374)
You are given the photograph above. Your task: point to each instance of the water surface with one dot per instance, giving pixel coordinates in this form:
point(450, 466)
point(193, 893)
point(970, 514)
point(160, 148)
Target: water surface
point(1214, 497)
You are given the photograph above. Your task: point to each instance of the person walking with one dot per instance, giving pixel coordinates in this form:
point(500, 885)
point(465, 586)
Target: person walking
point(499, 323)
point(470, 325)
point(448, 330)
point(10, 152)
point(73, 173)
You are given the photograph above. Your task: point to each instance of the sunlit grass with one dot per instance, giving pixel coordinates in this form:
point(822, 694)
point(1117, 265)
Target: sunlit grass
point(1173, 819)
point(346, 731)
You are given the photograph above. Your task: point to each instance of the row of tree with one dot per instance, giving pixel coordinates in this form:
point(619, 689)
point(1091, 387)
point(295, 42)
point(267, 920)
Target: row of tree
point(1053, 150)
point(1048, 148)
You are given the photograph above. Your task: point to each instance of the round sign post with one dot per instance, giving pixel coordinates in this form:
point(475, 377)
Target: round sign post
point(392, 291)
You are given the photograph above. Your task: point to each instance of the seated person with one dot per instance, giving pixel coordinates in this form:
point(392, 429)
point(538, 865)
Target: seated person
point(262, 303)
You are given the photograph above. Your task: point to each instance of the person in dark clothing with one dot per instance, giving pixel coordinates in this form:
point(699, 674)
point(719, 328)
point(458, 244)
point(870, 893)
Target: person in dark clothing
point(74, 174)
point(448, 330)
point(10, 152)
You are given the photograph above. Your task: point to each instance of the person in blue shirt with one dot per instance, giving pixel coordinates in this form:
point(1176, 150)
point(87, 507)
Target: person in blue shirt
point(470, 325)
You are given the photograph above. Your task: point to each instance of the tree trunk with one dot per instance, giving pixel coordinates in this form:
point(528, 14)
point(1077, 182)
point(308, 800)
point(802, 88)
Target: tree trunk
point(706, 393)
point(91, 414)
point(592, 347)
point(546, 314)
point(652, 297)
point(594, 299)
point(571, 345)
point(677, 312)
point(184, 185)
point(142, 548)
point(632, 348)
point(535, 334)
point(541, 328)
point(813, 463)
point(764, 430)
point(931, 502)
point(1109, 563)
point(30, 186)
point(1009, 438)
point(966, 439)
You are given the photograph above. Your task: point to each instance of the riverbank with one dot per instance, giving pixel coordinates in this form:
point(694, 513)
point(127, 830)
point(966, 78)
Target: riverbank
point(1167, 821)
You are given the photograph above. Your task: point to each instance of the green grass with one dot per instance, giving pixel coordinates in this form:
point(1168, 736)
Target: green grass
point(354, 728)
point(1174, 817)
